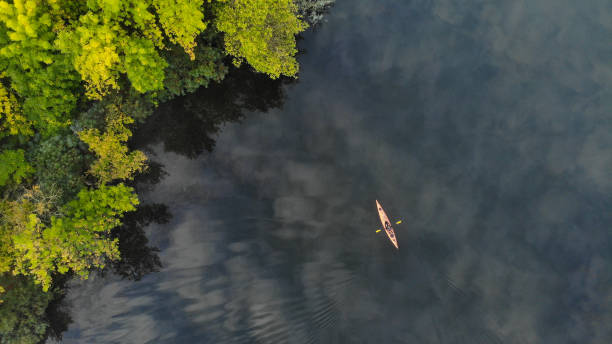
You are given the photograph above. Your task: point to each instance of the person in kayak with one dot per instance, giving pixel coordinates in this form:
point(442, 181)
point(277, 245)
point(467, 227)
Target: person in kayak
point(388, 228)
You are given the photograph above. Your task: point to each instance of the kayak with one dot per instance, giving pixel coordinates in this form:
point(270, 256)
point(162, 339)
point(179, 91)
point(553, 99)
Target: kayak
point(387, 225)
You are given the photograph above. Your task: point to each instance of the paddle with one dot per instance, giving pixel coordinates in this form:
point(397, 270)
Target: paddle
point(397, 223)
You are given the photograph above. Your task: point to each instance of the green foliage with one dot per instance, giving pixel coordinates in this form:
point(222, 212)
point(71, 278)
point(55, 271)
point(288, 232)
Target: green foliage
point(12, 121)
point(140, 106)
point(60, 164)
point(7, 251)
point(262, 32)
point(13, 167)
point(114, 161)
point(77, 241)
point(22, 313)
point(14, 219)
point(185, 76)
point(182, 21)
point(38, 74)
point(102, 49)
point(143, 65)
point(93, 46)
point(122, 37)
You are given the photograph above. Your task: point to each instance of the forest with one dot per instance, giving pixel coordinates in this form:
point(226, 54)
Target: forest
point(76, 78)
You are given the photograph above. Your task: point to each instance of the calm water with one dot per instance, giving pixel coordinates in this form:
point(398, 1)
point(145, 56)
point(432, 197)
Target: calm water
point(485, 126)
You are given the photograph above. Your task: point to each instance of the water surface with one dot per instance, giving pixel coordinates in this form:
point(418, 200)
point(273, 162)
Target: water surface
point(484, 125)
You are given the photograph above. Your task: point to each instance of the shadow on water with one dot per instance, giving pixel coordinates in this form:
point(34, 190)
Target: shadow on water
point(58, 310)
point(187, 125)
point(137, 257)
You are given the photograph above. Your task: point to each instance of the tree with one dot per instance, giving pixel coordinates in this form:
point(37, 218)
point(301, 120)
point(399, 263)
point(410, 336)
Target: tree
point(77, 241)
point(114, 161)
point(101, 49)
point(262, 32)
point(22, 313)
point(12, 121)
point(182, 21)
point(60, 164)
point(13, 166)
point(184, 75)
point(44, 79)
point(123, 37)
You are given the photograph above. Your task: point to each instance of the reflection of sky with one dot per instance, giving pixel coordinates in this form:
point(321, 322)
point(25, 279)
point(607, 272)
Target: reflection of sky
point(484, 125)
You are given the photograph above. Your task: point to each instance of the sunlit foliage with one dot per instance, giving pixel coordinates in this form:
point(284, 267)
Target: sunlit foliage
point(182, 21)
point(114, 161)
point(93, 45)
point(117, 37)
point(262, 32)
point(143, 65)
point(77, 240)
point(44, 79)
point(12, 121)
point(102, 50)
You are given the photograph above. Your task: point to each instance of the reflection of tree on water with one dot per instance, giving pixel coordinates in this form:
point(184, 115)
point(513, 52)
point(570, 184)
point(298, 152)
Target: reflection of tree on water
point(137, 258)
point(186, 125)
point(58, 312)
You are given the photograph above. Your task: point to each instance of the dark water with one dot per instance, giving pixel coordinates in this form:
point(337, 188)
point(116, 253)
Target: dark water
point(485, 126)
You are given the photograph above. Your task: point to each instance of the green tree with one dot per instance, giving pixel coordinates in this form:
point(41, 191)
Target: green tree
point(262, 32)
point(12, 121)
point(44, 79)
point(77, 241)
point(182, 21)
point(22, 313)
point(14, 217)
point(184, 75)
point(123, 37)
point(60, 164)
point(13, 166)
point(114, 161)
point(101, 49)
point(7, 250)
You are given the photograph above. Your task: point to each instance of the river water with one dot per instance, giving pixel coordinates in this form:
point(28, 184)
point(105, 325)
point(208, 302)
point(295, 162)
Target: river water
point(485, 126)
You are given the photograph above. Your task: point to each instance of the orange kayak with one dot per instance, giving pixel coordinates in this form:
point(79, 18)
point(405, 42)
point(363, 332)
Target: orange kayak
point(387, 225)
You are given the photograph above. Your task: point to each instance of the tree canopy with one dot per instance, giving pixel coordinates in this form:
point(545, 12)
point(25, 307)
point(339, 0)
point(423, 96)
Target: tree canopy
point(114, 161)
point(74, 237)
point(262, 33)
